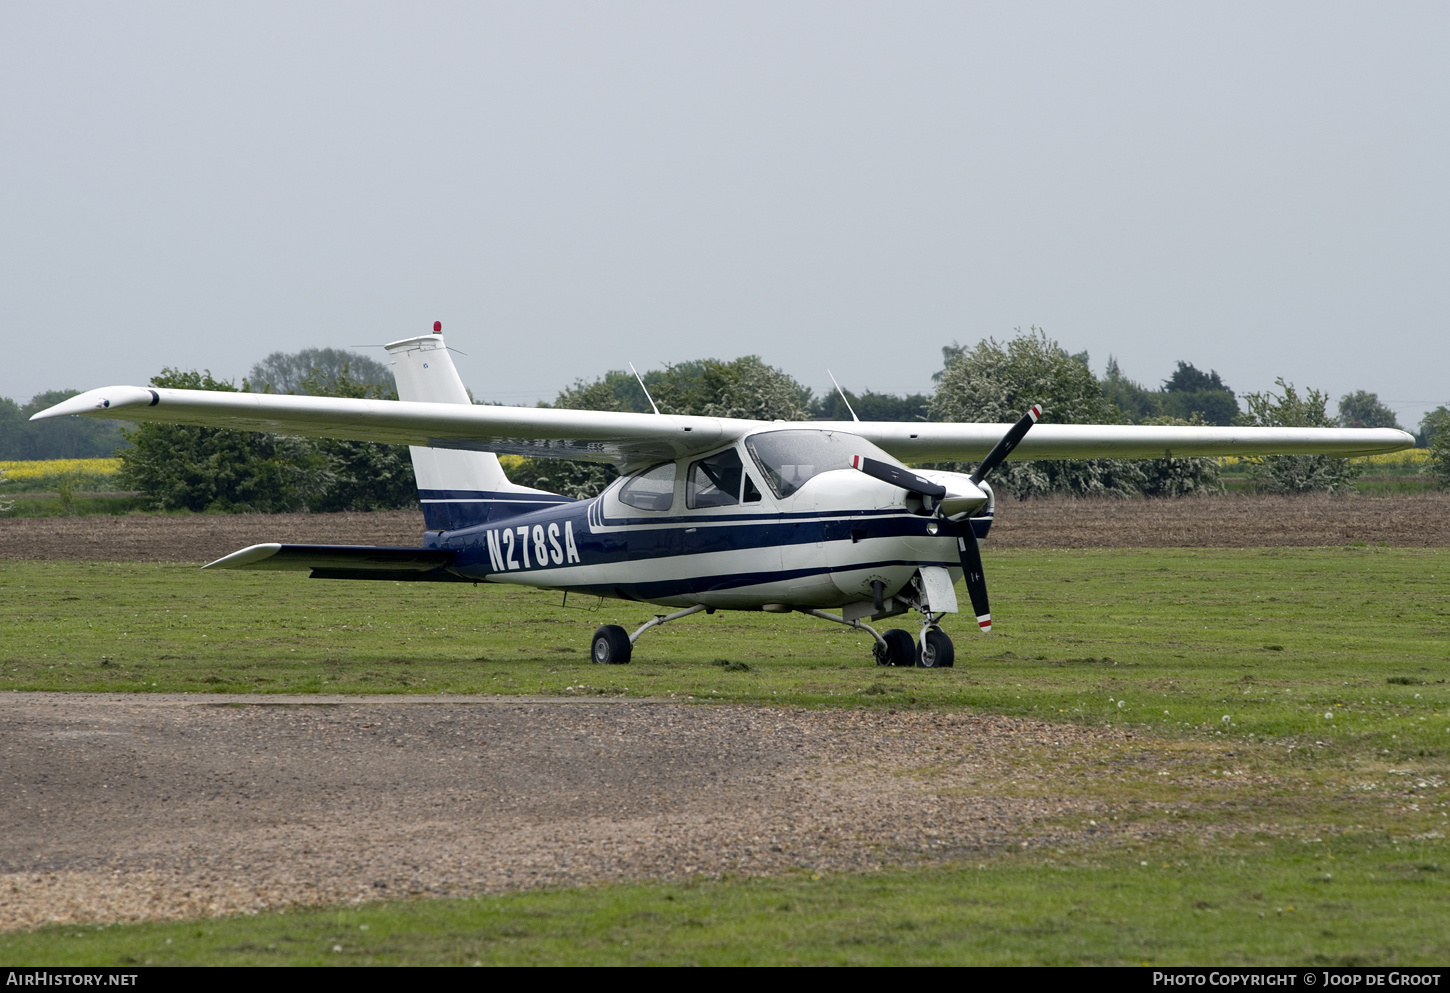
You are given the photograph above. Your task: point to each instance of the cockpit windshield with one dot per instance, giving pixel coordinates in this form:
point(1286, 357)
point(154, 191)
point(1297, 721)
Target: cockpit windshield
point(789, 459)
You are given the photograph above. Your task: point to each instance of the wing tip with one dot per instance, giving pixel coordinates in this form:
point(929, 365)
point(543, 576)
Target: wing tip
point(99, 401)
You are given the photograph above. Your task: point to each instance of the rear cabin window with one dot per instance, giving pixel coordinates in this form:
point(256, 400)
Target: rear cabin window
point(790, 459)
point(653, 489)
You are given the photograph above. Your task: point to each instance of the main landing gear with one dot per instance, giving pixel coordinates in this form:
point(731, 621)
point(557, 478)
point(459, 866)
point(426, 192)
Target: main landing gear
point(613, 646)
point(897, 648)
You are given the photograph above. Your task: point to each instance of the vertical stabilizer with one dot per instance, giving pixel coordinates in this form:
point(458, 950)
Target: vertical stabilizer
point(457, 489)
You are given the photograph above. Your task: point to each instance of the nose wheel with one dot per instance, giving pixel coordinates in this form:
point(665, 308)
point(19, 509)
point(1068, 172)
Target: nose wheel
point(935, 650)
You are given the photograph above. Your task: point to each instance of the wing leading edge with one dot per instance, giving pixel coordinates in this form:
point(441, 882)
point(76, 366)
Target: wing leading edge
point(629, 439)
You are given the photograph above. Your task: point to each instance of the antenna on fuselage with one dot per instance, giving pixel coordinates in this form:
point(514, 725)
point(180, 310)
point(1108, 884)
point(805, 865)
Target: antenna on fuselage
point(643, 387)
point(843, 396)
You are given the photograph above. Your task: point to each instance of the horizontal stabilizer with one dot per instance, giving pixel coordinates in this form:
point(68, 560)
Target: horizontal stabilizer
point(338, 558)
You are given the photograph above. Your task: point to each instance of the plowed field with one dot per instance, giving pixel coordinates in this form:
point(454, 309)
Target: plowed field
point(1420, 521)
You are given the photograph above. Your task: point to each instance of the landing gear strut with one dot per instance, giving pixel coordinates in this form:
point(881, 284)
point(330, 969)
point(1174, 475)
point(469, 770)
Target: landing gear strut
point(612, 646)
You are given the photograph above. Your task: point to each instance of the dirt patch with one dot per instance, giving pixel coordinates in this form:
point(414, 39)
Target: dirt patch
point(147, 808)
point(1416, 521)
point(195, 537)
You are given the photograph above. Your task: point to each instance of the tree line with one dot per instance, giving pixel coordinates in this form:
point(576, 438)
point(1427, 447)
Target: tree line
point(180, 467)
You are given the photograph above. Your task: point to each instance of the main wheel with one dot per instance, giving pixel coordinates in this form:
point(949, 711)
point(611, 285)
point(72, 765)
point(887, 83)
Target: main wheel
point(611, 645)
point(936, 650)
point(899, 648)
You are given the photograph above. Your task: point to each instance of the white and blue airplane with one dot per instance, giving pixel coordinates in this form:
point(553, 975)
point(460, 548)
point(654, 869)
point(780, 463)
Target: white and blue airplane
point(709, 513)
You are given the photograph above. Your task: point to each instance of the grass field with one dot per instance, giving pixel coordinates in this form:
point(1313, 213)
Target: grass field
point(1299, 697)
point(1349, 902)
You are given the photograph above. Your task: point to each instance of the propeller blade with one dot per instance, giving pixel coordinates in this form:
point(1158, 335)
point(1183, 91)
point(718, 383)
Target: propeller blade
point(897, 476)
point(1009, 441)
point(971, 556)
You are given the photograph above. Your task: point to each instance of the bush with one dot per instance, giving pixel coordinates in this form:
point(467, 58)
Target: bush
point(364, 475)
point(1179, 477)
point(184, 467)
point(1296, 473)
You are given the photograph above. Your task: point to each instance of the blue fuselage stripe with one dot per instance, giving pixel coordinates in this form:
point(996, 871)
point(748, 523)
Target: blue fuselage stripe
point(618, 542)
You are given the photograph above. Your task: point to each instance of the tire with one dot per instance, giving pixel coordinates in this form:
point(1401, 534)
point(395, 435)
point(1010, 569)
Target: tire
point(936, 650)
point(899, 649)
point(610, 646)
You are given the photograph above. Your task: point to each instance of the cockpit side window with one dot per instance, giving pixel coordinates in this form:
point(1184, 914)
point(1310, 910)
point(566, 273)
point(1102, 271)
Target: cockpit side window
point(752, 492)
point(653, 489)
point(715, 481)
point(789, 459)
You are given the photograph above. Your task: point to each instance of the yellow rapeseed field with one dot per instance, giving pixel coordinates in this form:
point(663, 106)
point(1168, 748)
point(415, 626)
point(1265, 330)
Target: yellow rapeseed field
point(21, 471)
point(1410, 456)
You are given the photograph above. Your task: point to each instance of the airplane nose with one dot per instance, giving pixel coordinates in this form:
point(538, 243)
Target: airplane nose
point(963, 496)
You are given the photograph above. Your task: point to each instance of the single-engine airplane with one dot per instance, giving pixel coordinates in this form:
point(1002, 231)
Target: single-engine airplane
point(709, 513)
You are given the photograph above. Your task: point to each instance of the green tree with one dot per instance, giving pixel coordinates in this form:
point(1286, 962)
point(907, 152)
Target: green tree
point(316, 369)
point(1435, 435)
point(576, 478)
point(1179, 477)
point(872, 406)
point(996, 382)
point(55, 438)
point(184, 467)
point(1191, 391)
point(746, 387)
point(1433, 424)
point(1136, 401)
point(363, 475)
point(1361, 409)
point(1296, 473)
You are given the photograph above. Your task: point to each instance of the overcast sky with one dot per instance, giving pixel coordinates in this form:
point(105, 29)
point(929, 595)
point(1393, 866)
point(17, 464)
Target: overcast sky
point(1256, 188)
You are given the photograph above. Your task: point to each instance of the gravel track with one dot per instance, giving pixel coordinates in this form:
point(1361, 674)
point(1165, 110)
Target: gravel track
point(120, 808)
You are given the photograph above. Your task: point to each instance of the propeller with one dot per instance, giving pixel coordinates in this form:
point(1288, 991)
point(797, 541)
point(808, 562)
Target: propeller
point(1009, 441)
point(897, 476)
point(968, 550)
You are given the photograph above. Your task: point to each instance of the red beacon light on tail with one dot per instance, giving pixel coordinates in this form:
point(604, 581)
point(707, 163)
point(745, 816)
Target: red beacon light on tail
point(437, 327)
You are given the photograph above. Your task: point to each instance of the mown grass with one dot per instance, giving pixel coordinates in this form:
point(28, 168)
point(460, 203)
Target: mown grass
point(1340, 645)
point(1290, 755)
point(1357, 900)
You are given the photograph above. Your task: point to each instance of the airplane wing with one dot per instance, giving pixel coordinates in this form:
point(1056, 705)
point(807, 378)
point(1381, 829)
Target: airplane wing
point(929, 442)
point(593, 435)
point(629, 439)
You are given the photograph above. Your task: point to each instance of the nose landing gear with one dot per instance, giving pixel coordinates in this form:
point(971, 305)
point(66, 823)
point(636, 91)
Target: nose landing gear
point(935, 651)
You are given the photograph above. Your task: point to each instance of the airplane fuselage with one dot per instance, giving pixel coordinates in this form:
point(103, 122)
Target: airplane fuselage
point(821, 544)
